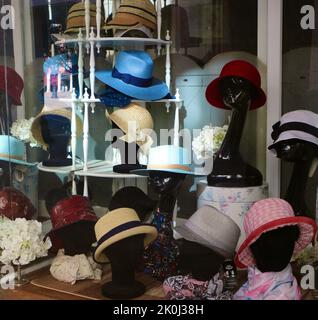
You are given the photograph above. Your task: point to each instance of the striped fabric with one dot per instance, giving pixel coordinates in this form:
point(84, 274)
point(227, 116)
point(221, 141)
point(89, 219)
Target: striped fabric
point(133, 12)
point(271, 214)
point(76, 17)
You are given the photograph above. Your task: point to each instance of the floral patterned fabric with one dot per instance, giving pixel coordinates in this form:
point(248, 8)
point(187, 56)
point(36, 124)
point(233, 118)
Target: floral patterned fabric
point(187, 288)
point(161, 258)
point(269, 286)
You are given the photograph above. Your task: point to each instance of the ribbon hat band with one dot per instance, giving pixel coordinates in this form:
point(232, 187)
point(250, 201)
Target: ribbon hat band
point(129, 79)
point(293, 126)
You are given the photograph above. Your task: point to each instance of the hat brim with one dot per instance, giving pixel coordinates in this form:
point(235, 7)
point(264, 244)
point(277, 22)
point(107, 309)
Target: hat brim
point(21, 162)
point(157, 91)
point(189, 235)
point(124, 21)
point(307, 228)
point(149, 231)
point(214, 97)
point(145, 172)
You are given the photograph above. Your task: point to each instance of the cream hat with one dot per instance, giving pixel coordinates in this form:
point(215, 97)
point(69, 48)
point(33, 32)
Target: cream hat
point(212, 229)
point(118, 225)
point(137, 124)
point(66, 113)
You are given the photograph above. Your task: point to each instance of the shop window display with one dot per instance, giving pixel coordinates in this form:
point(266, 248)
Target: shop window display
point(105, 182)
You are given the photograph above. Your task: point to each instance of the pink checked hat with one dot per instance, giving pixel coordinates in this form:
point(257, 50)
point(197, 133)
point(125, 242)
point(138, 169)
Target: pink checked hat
point(271, 214)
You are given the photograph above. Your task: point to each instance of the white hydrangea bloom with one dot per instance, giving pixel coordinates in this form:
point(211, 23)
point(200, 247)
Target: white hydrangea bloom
point(22, 241)
point(21, 129)
point(208, 143)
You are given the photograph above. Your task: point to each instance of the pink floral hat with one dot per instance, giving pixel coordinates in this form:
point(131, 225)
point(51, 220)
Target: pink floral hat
point(271, 214)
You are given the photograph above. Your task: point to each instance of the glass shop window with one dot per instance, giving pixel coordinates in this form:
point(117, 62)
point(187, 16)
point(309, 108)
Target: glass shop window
point(300, 87)
point(40, 66)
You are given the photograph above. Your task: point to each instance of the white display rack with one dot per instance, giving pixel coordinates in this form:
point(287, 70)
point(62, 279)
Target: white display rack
point(92, 43)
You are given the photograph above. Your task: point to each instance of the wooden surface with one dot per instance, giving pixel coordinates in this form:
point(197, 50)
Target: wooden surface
point(86, 290)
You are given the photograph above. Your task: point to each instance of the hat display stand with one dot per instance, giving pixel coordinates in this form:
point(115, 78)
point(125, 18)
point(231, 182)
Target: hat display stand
point(233, 202)
point(124, 257)
point(90, 40)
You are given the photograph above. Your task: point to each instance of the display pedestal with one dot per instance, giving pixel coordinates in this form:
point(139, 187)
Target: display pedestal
point(234, 202)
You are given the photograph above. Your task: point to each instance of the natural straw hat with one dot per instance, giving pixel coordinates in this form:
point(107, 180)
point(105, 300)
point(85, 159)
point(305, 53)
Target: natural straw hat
point(65, 113)
point(134, 12)
point(118, 225)
point(76, 17)
point(136, 122)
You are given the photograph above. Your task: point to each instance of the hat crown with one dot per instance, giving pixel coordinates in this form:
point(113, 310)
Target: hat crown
point(303, 116)
point(71, 210)
point(115, 219)
point(169, 155)
point(266, 211)
point(216, 228)
point(132, 113)
point(243, 69)
point(135, 63)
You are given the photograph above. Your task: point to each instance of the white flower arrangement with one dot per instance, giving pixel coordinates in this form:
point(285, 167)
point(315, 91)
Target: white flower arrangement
point(208, 143)
point(21, 129)
point(21, 241)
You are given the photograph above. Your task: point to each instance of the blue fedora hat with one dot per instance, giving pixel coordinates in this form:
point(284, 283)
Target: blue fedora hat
point(13, 150)
point(168, 159)
point(133, 76)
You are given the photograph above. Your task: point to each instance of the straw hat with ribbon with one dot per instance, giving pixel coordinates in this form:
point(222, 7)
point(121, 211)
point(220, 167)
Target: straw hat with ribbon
point(65, 113)
point(132, 13)
point(76, 17)
point(137, 123)
point(118, 225)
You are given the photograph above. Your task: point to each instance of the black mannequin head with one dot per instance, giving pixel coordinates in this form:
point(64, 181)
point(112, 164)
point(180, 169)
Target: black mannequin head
point(124, 257)
point(236, 92)
point(201, 261)
point(128, 152)
point(77, 238)
point(296, 150)
point(133, 198)
point(56, 132)
point(166, 182)
point(274, 249)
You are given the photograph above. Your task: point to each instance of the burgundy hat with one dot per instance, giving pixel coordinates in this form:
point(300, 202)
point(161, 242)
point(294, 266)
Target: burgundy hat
point(70, 211)
point(271, 214)
point(242, 69)
point(14, 85)
point(14, 204)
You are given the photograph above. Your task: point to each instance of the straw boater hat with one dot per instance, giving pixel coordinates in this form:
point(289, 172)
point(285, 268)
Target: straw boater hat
point(136, 122)
point(76, 17)
point(118, 225)
point(132, 13)
point(272, 214)
point(65, 113)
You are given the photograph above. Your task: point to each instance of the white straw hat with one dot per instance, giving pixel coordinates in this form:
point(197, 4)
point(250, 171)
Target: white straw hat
point(212, 229)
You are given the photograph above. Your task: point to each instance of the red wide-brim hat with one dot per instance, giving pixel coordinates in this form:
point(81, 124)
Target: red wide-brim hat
point(242, 69)
point(12, 84)
point(271, 214)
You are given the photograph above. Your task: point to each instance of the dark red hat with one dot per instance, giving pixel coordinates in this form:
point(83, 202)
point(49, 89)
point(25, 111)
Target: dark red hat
point(66, 213)
point(242, 69)
point(70, 211)
point(14, 85)
point(14, 204)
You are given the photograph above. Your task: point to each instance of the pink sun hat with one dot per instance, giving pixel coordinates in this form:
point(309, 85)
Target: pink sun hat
point(267, 215)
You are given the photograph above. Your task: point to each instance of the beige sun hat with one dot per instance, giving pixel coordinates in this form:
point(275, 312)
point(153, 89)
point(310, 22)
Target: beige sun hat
point(66, 113)
point(76, 17)
point(118, 225)
point(137, 124)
